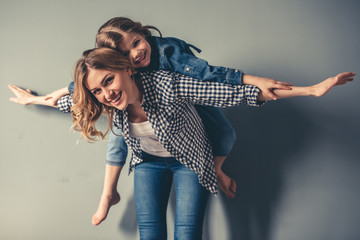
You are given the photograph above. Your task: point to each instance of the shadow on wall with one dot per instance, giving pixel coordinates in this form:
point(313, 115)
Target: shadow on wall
point(266, 138)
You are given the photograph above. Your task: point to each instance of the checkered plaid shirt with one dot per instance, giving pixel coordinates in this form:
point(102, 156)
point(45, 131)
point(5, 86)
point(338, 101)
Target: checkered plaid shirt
point(168, 102)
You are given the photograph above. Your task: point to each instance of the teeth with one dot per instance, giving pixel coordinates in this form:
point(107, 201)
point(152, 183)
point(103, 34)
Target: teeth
point(142, 58)
point(117, 99)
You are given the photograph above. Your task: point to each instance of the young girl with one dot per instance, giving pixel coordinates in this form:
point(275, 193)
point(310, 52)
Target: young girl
point(146, 52)
point(156, 114)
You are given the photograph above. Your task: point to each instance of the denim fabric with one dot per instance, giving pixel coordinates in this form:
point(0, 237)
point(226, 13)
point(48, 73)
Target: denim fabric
point(175, 55)
point(117, 149)
point(71, 87)
point(152, 183)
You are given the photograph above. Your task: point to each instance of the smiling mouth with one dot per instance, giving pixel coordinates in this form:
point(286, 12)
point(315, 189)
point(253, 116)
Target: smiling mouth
point(116, 99)
point(141, 59)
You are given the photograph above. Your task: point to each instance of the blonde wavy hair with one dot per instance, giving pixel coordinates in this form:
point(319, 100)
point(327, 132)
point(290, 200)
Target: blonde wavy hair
point(110, 33)
point(87, 109)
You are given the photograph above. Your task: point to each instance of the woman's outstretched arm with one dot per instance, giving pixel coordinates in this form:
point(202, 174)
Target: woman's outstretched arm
point(25, 97)
point(316, 90)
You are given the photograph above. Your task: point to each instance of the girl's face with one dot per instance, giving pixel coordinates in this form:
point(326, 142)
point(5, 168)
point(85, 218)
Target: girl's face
point(136, 48)
point(114, 89)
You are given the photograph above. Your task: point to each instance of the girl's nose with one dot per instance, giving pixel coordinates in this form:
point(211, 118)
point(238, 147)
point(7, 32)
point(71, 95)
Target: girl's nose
point(136, 53)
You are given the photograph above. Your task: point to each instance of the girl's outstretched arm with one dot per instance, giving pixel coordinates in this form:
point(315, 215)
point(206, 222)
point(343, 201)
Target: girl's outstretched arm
point(25, 97)
point(316, 90)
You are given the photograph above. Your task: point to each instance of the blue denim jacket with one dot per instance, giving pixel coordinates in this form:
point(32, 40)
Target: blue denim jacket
point(175, 55)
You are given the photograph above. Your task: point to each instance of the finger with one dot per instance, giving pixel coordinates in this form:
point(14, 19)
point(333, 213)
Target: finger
point(233, 186)
point(342, 82)
point(28, 90)
point(12, 86)
point(12, 99)
point(345, 80)
point(270, 94)
point(16, 90)
point(346, 74)
point(282, 86)
point(284, 83)
point(229, 193)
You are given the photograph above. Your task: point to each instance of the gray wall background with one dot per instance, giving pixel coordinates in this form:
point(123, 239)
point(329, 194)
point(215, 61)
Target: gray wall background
point(296, 161)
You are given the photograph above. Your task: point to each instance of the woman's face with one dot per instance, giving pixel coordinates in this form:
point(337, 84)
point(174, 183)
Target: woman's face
point(136, 48)
point(114, 89)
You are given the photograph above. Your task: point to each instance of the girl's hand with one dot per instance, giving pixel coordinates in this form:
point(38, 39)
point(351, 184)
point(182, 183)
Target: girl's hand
point(323, 87)
point(266, 85)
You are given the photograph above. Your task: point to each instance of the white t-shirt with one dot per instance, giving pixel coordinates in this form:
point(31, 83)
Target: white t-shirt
point(148, 141)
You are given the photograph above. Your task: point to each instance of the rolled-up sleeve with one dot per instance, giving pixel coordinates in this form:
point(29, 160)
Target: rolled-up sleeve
point(214, 93)
point(65, 103)
point(117, 149)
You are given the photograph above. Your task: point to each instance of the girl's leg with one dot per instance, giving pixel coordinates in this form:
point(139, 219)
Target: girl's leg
point(191, 200)
point(222, 137)
point(152, 184)
point(221, 134)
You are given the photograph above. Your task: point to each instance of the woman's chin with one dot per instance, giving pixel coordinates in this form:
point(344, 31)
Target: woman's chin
point(121, 107)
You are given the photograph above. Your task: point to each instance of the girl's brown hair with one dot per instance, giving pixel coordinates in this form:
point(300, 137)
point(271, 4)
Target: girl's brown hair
point(87, 109)
point(110, 33)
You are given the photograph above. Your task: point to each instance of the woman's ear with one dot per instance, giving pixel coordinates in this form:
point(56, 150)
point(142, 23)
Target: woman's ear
point(130, 72)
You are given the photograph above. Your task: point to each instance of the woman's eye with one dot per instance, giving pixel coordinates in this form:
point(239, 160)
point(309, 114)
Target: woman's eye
point(96, 91)
point(136, 43)
point(109, 80)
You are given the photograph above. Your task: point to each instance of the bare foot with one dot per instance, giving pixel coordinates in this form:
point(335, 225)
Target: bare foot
point(106, 202)
point(226, 184)
point(322, 88)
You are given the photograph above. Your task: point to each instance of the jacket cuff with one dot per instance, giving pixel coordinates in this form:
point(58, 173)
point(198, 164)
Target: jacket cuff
point(234, 77)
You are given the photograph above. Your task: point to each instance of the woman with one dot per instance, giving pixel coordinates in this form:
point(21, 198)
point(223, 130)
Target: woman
point(155, 112)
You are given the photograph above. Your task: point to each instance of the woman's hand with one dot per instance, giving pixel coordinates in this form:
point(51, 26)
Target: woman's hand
point(25, 97)
point(266, 85)
point(226, 184)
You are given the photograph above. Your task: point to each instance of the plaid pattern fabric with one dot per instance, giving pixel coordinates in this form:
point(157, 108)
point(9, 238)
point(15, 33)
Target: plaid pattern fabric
point(168, 102)
point(65, 103)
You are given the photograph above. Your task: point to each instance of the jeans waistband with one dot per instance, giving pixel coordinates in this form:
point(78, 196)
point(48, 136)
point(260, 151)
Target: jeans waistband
point(148, 157)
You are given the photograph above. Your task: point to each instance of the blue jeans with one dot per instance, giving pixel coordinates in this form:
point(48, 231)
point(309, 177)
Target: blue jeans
point(152, 183)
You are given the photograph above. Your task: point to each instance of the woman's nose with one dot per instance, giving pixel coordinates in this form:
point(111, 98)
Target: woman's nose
point(108, 94)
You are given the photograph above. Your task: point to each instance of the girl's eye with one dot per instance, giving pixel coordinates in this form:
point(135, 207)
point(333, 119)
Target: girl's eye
point(96, 91)
point(136, 43)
